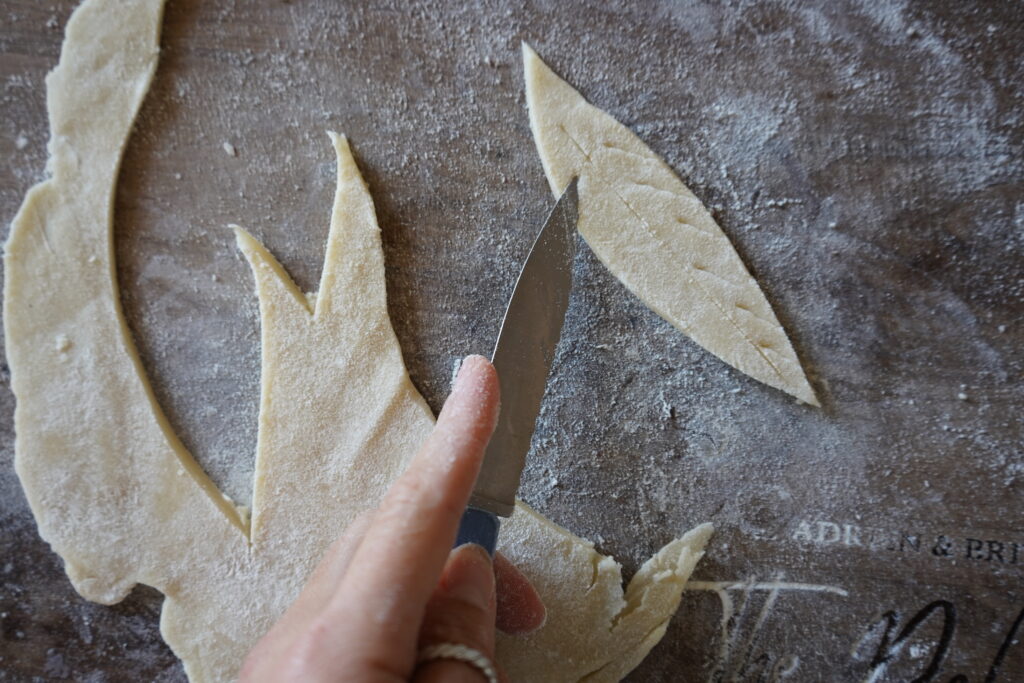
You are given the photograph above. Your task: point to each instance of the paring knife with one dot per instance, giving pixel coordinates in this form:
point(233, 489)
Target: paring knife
point(522, 356)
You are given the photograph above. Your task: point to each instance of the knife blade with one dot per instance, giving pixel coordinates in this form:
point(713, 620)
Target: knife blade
point(523, 354)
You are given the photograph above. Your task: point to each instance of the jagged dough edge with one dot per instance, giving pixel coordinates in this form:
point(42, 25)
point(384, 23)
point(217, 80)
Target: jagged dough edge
point(605, 633)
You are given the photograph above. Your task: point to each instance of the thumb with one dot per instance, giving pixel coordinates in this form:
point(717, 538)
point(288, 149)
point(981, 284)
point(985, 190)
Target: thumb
point(460, 612)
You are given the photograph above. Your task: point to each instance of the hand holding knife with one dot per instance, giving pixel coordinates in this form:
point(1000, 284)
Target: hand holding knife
point(397, 553)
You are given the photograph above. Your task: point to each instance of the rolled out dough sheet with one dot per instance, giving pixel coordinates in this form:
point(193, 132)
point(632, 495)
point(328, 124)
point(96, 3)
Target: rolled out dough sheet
point(122, 501)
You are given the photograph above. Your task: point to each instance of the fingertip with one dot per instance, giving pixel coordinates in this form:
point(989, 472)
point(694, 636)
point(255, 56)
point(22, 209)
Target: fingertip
point(520, 608)
point(474, 402)
point(474, 361)
point(476, 372)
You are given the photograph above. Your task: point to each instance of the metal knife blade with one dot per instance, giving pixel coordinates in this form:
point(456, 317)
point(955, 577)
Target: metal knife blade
point(524, 352)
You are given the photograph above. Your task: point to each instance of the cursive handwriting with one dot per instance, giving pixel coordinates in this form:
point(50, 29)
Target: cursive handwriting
point(736, 658)
point(891, 647)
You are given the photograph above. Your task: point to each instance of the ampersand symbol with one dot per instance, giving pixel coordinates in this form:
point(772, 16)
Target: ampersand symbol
point(943, 547)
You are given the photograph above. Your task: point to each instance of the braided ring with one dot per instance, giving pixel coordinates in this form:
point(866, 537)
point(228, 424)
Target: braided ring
point(460, 653)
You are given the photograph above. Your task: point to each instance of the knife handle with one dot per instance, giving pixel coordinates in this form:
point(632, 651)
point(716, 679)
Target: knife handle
point(480, 527)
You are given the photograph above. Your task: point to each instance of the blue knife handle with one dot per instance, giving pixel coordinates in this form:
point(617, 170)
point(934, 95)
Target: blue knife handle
point(480, 527)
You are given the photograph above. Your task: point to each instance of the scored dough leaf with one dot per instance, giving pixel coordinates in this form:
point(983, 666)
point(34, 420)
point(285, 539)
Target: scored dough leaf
point(654, 235)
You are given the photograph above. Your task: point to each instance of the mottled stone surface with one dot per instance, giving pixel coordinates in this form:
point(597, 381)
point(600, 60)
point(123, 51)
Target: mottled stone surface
point(865, 158)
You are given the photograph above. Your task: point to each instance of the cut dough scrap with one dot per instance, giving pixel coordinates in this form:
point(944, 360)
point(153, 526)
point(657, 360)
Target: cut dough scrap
point(98, 460)
point(606, 634)
point(654, 235)
point(123, 502)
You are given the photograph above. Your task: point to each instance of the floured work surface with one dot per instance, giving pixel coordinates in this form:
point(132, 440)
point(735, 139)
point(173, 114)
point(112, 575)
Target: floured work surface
point(865, 163)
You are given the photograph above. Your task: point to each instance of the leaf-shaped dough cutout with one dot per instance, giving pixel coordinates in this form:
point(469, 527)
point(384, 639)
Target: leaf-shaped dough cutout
point(654, 235)
point(122, 501)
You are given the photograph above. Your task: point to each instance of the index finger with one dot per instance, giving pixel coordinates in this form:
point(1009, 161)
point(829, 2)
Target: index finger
point(398, 564)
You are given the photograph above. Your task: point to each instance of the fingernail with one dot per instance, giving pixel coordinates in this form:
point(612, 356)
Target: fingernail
point(470, 576)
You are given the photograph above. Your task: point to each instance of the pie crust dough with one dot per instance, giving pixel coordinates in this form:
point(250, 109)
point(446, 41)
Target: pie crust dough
point(121, 500)
point(654, 235)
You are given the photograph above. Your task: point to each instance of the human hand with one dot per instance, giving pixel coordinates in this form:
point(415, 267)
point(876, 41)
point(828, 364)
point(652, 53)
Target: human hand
point(391, 586)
